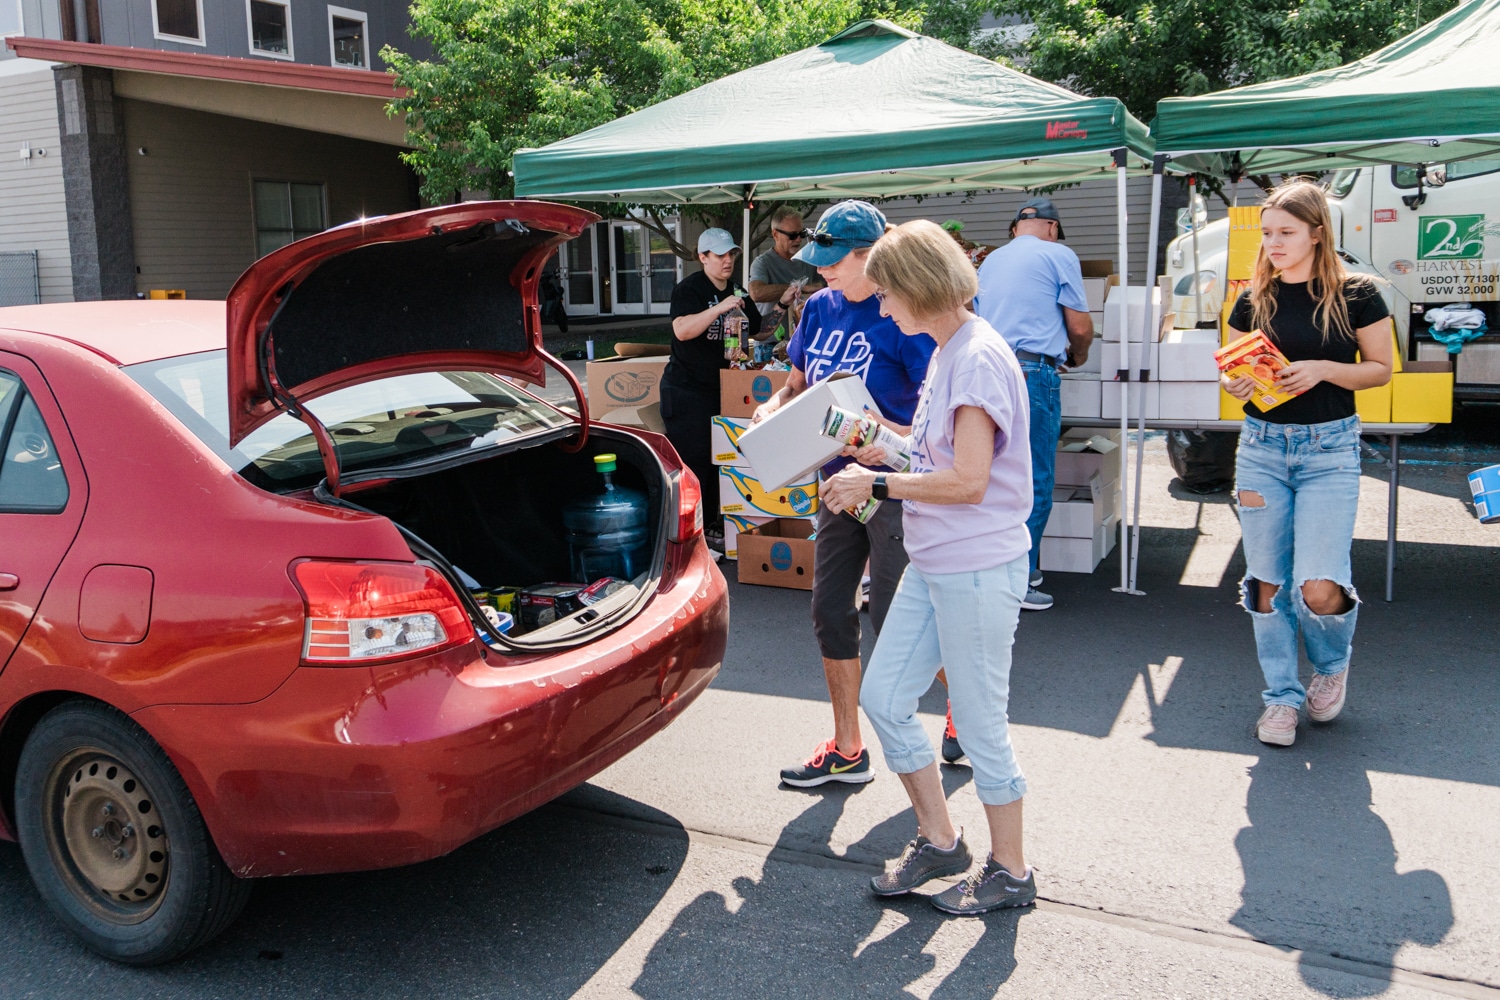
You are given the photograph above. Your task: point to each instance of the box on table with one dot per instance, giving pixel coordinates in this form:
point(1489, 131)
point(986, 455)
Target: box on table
point(1126, 304)
point(1097, 289)
point(778, 553)
point(1188, 356)
point(742, 390)
point(1096, 318)
point(615, 383)
point(1078, 555)
point(1078, 511)
point(736, 525)
point(1113, 357)
point(741, 493)
point(790, 444)
point(1079, 395)
point(724, 440)
point(1188, 400)
point(1422, 393)
point(1373, 405)
point(1083, 453)
point(1101, 268)
point(1141, 393)
point(1091, 364)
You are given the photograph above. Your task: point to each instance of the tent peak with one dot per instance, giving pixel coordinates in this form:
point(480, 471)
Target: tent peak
point(872, 28)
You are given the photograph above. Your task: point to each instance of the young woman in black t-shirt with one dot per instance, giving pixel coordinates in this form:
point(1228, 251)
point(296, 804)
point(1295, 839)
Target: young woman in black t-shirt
point(1297, 472)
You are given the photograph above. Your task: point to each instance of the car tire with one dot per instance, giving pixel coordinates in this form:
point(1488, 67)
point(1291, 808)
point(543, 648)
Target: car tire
point(115, 843)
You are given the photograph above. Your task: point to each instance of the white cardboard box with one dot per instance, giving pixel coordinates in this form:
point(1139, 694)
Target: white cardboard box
point(1189, 400)
point(1188, 356)
point(1095, 290)
point(1091, 363)
point(1113, 357)
point(1150, 392)
point(1083, 453)
point(1080, 395)
point(741, 493)
point(789, 444)
point(724, 440)
point(1078, 511)
point(1117, 314)
point(1078, 555)
point(733, 525)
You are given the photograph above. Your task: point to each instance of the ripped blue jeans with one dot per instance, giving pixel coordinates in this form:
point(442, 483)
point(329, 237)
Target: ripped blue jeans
point(1296, 492)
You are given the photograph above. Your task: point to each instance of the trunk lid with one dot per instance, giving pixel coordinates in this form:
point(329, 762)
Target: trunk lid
point(447, 288)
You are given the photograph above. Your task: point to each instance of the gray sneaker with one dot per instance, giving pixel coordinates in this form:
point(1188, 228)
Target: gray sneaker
point(987, 888)
point(921, 861)
point(1035, 580)
point(1036, 601)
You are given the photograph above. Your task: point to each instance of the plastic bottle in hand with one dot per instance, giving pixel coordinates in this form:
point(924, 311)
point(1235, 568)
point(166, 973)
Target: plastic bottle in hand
point(737, 331)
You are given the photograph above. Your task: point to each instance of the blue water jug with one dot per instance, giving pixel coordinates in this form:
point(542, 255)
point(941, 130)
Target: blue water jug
point(607, 533)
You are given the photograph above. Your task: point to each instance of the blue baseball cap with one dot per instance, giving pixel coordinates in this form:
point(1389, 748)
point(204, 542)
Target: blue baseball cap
point(719, 241)
point(846, 226)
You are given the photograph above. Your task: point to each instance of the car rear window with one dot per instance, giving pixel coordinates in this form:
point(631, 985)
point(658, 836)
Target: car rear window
point(379, 424)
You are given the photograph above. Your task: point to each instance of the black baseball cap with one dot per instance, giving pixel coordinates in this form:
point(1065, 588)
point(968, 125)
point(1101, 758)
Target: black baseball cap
point(1038, 208)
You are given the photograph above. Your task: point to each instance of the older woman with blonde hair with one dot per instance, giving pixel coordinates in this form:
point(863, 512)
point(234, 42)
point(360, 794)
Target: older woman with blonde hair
point(966, 499)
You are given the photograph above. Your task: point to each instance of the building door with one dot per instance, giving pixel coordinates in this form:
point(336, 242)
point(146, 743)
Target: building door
point(631, 267)
point(578, 269)
point(666, 271)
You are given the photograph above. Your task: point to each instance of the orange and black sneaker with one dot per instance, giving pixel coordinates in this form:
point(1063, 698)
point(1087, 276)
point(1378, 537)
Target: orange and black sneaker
point(827, 764)
point(952, 752)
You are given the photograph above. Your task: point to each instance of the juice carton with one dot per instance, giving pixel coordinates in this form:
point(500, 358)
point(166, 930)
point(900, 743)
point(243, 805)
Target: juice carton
point(851, 428)
point(1253, 356)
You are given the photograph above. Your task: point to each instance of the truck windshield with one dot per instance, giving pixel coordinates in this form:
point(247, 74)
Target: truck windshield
point(386, 422)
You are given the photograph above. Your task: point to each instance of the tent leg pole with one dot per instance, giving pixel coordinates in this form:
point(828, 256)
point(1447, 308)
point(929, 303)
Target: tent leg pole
point(1122, 220)
point(1148, 332)
point(745, 248)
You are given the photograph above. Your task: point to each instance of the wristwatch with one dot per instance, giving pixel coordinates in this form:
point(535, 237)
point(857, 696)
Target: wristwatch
point(878, 489)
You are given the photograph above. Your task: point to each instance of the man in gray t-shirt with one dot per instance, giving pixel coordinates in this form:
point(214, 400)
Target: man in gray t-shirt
point(774, 271)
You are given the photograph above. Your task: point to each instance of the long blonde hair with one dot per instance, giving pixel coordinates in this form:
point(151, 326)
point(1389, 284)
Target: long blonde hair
point(1305, 202)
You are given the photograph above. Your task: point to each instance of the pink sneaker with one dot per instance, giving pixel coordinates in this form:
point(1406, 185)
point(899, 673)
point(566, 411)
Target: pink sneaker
point(1277, 725)
point(1325, 695)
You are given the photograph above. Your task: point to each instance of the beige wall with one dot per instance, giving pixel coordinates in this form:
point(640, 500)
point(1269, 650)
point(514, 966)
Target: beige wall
point(190, 194)
point(33, 210)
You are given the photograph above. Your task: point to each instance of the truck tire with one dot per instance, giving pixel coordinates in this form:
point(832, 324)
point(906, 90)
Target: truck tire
point(113, 839)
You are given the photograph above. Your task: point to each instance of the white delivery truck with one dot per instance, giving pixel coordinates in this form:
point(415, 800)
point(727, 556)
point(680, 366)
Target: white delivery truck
point(1432, 236)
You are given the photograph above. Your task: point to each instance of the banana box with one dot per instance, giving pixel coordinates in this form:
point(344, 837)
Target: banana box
point(741, 493)
point(724, 440)
point(734, 526)
point(1254, 357)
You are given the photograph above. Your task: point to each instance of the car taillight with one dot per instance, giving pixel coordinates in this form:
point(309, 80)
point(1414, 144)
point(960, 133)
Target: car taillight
point(363, 611)
point(689, 505)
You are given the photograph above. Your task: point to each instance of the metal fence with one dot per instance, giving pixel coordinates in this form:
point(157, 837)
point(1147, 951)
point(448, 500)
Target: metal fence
point(19, 285)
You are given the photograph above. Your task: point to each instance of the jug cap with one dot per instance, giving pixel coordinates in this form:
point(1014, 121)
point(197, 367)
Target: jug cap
point(605, 462)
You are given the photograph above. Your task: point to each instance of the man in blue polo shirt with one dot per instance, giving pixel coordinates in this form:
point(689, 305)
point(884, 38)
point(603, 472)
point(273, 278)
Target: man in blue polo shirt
point(1031, 292)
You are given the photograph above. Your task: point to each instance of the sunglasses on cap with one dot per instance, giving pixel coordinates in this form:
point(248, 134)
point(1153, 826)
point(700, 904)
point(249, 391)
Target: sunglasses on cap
point(828, 239)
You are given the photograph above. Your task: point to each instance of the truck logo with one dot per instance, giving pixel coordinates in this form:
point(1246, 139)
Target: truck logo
point(1401, 267)
point(1450, 237)
point(1066, 130)
point(1385, 215)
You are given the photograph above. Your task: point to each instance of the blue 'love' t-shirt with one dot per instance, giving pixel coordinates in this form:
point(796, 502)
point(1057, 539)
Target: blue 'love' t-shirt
point(837, 335)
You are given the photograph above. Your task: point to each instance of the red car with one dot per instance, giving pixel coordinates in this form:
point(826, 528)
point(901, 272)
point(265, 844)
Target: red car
point(239, 630)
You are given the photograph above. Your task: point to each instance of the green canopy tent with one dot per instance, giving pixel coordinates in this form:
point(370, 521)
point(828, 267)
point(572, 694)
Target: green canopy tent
point(882, 113)
point(1431, 96)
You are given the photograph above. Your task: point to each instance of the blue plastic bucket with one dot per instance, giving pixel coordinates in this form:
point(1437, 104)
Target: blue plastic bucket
point(1486, 486)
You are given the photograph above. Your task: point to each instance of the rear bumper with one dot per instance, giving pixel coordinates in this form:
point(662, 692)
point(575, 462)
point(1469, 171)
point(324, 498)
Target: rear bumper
point(350, 769)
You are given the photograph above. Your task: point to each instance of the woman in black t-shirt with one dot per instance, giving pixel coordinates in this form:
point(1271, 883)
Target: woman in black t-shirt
point(690, 384)
point(1297, 471)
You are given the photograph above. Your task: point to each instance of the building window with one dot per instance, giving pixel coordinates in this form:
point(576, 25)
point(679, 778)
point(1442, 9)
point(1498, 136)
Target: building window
point(270, 28)
point(178, 20)
point(350, 39)
point(286, 212)
point(10, 17)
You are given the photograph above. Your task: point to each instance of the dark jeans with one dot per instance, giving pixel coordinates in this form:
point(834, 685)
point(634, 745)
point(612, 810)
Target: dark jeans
point(687, 414)
point(1045, 391)
point(842, 547)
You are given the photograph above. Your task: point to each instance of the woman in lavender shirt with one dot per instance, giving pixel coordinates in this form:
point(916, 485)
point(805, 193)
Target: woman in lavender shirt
point(965, 501)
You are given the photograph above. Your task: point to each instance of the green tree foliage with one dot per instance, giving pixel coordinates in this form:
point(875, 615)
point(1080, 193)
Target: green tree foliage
point(512, 74)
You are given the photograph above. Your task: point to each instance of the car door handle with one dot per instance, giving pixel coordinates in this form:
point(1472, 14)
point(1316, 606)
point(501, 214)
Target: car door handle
point(9, 581)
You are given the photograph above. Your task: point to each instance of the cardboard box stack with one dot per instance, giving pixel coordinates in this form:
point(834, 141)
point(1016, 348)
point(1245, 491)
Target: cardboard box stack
point(1080, 391)
point(1081, 529)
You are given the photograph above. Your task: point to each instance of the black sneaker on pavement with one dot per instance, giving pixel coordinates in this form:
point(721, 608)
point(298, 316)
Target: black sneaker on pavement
point(989, 887)
point(1036, 601)
point(827, 764)
point(922, 861)
point(952, 751)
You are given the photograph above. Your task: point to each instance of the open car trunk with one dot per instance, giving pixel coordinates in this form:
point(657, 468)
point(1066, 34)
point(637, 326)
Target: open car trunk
point(499, 521)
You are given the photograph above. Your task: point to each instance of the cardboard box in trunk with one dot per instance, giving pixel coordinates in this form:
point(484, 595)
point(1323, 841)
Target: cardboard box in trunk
point(616, 383)
point(778, 554)
point(742, 390)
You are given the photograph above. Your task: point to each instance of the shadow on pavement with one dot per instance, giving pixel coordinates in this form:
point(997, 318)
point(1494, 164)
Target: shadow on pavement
point(777, 940)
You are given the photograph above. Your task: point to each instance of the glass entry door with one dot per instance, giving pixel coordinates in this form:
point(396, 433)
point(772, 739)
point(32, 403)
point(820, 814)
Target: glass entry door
point(631, 266)
point(579, 272)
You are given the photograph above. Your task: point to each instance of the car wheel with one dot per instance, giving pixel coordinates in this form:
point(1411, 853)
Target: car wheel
point(114, 841)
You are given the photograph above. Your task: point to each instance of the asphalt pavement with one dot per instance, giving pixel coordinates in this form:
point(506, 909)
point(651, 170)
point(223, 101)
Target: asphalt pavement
point(1176, 855)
